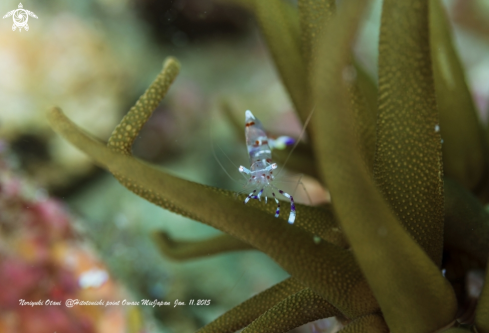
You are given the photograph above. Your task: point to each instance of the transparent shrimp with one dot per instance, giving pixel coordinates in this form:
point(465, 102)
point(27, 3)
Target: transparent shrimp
point(260, 174)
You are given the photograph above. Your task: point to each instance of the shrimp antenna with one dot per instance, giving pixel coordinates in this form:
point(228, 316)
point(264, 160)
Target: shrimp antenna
point(217, 159)
point(220, 164)
point(299, 139)
point(226, 155)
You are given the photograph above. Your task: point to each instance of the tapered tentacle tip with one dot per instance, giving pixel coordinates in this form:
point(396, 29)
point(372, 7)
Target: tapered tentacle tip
point(56, 117)
point(162, 239)
point(54, 112)
point(55, 109)
point(171, 61)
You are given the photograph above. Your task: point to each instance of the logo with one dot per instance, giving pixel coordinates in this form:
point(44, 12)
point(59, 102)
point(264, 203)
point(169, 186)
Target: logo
point(20, 17)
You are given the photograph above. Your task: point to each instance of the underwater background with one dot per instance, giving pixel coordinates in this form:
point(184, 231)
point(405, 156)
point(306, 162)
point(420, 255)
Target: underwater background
point(70, 230)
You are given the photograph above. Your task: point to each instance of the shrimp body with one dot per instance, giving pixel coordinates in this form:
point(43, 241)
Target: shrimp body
point(261, 168)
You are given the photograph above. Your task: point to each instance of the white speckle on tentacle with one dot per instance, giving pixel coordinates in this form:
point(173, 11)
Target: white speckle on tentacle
point(437, 128)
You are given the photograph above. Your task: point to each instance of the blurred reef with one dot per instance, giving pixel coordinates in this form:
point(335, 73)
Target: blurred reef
point(45, 256)
point(401, 195)
point(397, 139)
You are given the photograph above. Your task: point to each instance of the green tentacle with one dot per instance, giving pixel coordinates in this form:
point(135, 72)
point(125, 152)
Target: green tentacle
point(334, 272)
point(128, 129)
point(459, 122)
point(279, 23)
point(313, 16)
point(185, 250)
point(466, 222)
point(482, 311)
point(408, 164)
point(292, 312)
point(243, 314)
point(367, 324)
point(390, 259)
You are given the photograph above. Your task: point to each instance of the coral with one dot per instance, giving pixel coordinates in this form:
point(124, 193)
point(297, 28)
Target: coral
point(43, 258)
point(397, 205)
point(49, 160)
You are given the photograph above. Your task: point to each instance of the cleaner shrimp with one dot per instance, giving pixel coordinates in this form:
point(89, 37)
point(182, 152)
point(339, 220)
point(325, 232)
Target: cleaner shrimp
point(261, 168)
